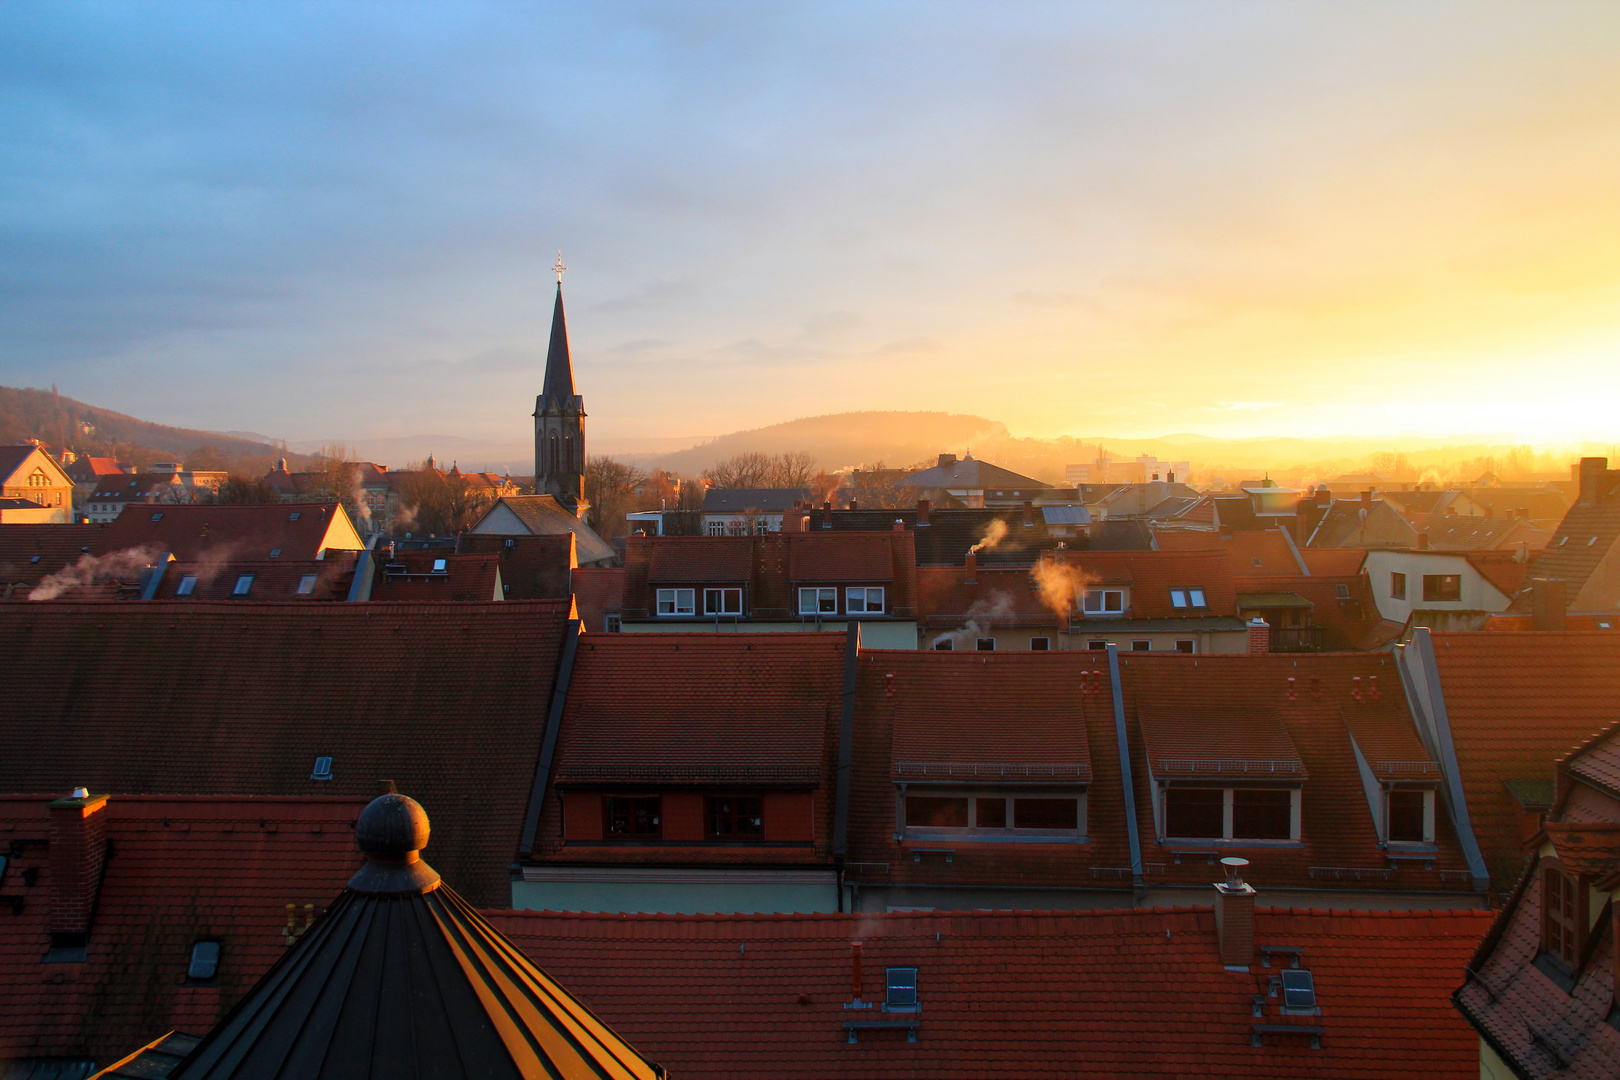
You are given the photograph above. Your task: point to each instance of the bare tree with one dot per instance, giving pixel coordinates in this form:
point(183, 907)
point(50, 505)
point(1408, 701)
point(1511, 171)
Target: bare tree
point(610, 488)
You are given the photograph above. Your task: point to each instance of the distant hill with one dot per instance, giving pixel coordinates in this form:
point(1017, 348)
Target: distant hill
point(842, 440)
point(89, 430)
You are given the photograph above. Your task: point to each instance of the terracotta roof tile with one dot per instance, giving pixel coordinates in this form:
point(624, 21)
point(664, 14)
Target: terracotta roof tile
point(184, 869)
point(215, 698)
point(1265, 551)
point(1598, 762)
point(411, 575)
point(532, 567)
point(598, 592)
point(1032, 995)
point(1587, 848)
point(841, 556)
point(31, 552)
point(1152, 574)
point(1216, 740)
point(224, 532)
point(699, 558)
point(999, 596)
point(1334, 562)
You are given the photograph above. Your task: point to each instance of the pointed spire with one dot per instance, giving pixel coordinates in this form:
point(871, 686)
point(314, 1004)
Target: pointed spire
point(559, 385)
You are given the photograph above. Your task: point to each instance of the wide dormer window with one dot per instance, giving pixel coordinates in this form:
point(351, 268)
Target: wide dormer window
point(676, 602)
point(722, 601)
point(1103, 602)
point(818, 601)
point(867, 601)
point(1225, 813)
point(1187, 598)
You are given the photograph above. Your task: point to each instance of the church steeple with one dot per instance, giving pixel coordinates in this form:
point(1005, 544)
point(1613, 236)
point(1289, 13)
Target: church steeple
point(559, 418)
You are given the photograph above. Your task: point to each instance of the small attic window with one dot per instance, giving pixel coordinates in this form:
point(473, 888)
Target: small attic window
point(35, 559)
point(157, 517)
point(902, 990)
point(1592, 541)
point(1298, 989)
point(204, 961)
point(322, 770)
point(438, 566)
point(275, 553)
point(1342, 592)
point(244, 585)
point(306, 585)
point(187, 586)
point(1255, 559)
point(294, 516)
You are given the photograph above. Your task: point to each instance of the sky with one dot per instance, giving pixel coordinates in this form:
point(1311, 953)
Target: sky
point(337, 220)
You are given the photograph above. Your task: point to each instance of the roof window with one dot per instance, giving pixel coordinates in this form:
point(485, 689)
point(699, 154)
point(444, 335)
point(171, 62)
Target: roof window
point(1298, 990)
point(35, 559)
point(1342, 592)
point(275, 553)
point(306, 585)
point(438, 566)
point(244, 585)
point(1592, 541)
point(294, 516)
point(157, 517)
point(902, 990)
point(204, 961)
point(322, 770)
point(1563, 540)
point(187, 586)
point(1185, 598)
point(1255, 559)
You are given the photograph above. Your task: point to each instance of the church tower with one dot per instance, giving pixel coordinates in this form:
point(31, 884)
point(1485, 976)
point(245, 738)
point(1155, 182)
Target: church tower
point(559, 419)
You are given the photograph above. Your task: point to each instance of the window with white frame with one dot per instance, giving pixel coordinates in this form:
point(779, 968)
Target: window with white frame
point(613, 623)
point(722, 601)
point(1223, 813)
point(1103, 602)
point(715, 528)
point(818, 601)
point(1040, 644)
point(675, 601)
point(762, 527)
point(1187, 598)
point(990, 814)
point(1409, 815)
point(737, 527)
point(868, 600)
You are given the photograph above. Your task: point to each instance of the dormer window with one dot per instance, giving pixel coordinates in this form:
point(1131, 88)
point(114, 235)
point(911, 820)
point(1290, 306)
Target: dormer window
point(722, 601)
point(901, 993)
point(1187, 598)
point(676, 602)
point(818, 601)
point(868, 601)
point(1410, 816)
point(1103, 602)
point(1563, 921)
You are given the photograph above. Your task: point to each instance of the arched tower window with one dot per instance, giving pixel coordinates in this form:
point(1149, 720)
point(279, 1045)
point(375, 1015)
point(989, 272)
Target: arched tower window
point(551, 458)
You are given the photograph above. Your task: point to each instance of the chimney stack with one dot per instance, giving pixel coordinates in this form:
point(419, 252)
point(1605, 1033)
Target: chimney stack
point(972, 576)
point(899, 525)
point(78, 853)
point(1259, 635)
point(1029, 513)
point(946, 459)
point(854, 504)
point(826, 514)
point(1549, 601)
point(1423, 541)
point(1366, 499)
point(1234, 916)
point(1593, 471)
point(923, 506)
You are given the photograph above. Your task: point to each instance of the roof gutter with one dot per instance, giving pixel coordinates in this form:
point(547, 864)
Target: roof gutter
point(1137, 882)
point(360, 588)
point(548, 745)
point(1428, 704)
point(846, 742)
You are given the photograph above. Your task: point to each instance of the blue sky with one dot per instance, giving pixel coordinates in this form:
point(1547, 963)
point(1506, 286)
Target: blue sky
point(336, 220)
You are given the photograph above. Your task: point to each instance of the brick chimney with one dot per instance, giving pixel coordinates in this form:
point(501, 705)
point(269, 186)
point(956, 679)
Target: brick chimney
point(1366, 499)
point(923, 506)
point(826, 514)
point(1234, 916)
point(1423, 541)
point(899, 525)
point(972, 576)
point(78, 853)
point(854, 504)
point(946, 459)
point(1029, 513)
point(1259, 635)
point(1593, 471)
point(1549, 601)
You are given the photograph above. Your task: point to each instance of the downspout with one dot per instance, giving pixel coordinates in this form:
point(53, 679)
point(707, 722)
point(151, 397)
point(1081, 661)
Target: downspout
point(548, 745)
point(1137, 882)
point(360, 587)
point(1421, 651)
point(846, 753)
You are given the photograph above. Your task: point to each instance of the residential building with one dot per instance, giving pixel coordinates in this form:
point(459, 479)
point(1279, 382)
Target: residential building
point(1541, 988)
point(381, 498)
point(29, 474)
point(134, 915)
point(804, 581)
point(1584, 553)
point(1144, 469)
point(978, 484)
point(30, 553)
point(1048, 995)
point(544, 515)
point(296, 699)
point(692, 772)
point(599, 598)
point(167, 483)
point(1171, 601)
point(432, 575)
point(531, 567)
point(749, 511)
point(1443, 590)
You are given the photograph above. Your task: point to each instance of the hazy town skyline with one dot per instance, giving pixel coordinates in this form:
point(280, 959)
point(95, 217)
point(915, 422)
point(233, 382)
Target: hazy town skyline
point(1103, 220)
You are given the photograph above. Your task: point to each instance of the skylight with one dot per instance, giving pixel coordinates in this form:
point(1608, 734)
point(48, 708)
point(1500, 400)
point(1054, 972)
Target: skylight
point(306, 584)
point(294, 515)
point(157, 517)
point(187, 586)
point(322, 770)
point(902, 996)
point(438, 566)
point(243, 585)
point(204, 961)
point(1298, 989)
point(275, 553)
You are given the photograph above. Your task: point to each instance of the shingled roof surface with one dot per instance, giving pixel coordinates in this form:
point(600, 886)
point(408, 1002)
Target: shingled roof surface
point(30, 552)
point(690, 559)
point(1458, 532)
point(532, 567)
point(945, 540)
point(1152, 574)
point(1009, 994)
point(273, 579)
point(998, 596)
point(183, 869)
point(246, 531)
point(544, 515)
point(598, 593)
point(1212, 739)
point(216, 698)
point(1517, 703)
point(1266, 552)
point(409, 575)
point(1598, 762)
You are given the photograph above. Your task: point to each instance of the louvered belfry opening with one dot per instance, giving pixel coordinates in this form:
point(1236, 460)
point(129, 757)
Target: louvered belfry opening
point(401, 977)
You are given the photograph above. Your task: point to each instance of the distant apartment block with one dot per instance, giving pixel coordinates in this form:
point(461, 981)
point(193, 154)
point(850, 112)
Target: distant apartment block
point(1144, 469)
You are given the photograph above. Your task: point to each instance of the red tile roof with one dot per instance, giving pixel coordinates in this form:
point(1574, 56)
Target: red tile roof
point(226, 532)
point(1334, 562)
point(216, 698)
point(532, 567)
point(1262, 552)
point(1213, 739)
point(1517, 702)
point(1587, 848)
point(1029, 730)
point(998, 596)
point(598, 592)
point(841, 556)
point(183, 869)
point(1345, 620)
point(410, 575)
point(1011, 994)
point(1500, 568)
point(1152, 574)
point(1502, 621)
point(698, 558)
point(31, 552)
point(1598, 762)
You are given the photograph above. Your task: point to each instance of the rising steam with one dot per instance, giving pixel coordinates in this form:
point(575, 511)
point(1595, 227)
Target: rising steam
point(984, 614)
point(118, 565)
point(994, 533)
point(1059, 584)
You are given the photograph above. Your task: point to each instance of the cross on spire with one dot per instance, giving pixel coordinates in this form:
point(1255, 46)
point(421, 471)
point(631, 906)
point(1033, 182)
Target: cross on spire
point(559, 268)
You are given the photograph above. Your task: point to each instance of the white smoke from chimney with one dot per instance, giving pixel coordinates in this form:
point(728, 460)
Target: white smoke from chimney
point(983, 615)
point(994, 533)
point(120, 564)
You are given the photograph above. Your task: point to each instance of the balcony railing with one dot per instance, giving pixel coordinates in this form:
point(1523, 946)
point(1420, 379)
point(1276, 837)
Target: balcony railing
point(1296, 639)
